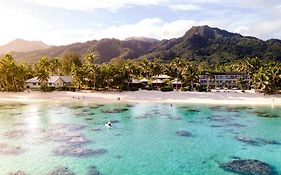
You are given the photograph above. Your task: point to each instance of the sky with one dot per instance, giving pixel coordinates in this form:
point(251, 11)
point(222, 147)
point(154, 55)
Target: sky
point(60, 22)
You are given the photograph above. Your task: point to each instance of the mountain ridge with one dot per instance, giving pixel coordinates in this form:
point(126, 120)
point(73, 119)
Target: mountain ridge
point(21, 45)
point(199, 43)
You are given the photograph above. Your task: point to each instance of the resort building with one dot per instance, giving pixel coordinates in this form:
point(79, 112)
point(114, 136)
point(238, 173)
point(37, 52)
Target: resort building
point(53, 81)
point(229, 80)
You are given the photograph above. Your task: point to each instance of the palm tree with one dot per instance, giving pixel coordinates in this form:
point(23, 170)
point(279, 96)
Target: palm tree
point(43, 72)
point(12, 77)
point(78, 74)
point(268, 78)
point(240, 83)
point(55, 67)
point(190, 75)
point(90, 71)
point(144, 69)
point(209, 77)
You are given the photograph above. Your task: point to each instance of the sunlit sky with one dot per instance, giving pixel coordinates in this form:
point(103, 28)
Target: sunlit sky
point(59, 22)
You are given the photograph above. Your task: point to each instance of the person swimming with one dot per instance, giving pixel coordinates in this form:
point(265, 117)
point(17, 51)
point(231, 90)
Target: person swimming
point(108, 124)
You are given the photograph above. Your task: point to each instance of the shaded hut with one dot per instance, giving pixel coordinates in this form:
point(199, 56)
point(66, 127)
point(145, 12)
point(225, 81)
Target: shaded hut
point(176, 84)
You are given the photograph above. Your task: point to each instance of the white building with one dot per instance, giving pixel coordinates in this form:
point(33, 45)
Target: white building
point(53, 81)
point(225, 80)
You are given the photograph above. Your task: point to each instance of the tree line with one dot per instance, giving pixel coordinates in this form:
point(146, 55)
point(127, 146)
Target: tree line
point(118, 73)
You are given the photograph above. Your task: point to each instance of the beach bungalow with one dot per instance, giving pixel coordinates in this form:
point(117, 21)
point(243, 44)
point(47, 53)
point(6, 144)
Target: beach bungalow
point(176, 84)
point(157, 83)
point(139, 83)
point(222, 80)
point(136, 84)
point(53, 81)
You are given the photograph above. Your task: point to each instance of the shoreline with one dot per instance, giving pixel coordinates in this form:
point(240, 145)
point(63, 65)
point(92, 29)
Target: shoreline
point(143, 96)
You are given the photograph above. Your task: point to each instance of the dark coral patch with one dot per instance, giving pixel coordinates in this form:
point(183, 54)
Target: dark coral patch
point(70, 138)
point(114, 121)
point(74, 127)
point(117, 110)
point(183, 133)
point(174, 118)
point(219, 118)
point(192, 110)
point(69, 127)
point(19, 124)
point(77, 151)
point(265, 114)
point(18, 173)
point(96, 129)
point(118, 157)
point(217, 126)
point(257, 141)
point(15, 134)
point(268, 141)
point(130, 105)
point(10, 150)
point(142, 117)
point(216, 108)
point(238, 109)
point(93, 170)
point(237, 125)
point(61, 171)
point(78, 140)
point(248, 167)
point(247, 140)
point(95, 106)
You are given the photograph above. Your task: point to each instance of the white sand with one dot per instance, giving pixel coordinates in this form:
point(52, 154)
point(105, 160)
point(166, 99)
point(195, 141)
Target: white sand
point(248, 98)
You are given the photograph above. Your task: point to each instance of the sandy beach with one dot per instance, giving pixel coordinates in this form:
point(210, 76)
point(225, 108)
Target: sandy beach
point(248, 98)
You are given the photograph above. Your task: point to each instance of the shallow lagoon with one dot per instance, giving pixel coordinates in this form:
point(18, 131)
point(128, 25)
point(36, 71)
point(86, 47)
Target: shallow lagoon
point(145, 139)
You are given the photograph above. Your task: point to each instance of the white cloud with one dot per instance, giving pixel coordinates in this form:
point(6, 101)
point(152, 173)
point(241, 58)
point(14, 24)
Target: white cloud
point(114, 5)
point(19, 24)
point(242, 30)
point(92, 5)
point(185, 7)
point(267, 29)
point(150, 27)
point(260, 2)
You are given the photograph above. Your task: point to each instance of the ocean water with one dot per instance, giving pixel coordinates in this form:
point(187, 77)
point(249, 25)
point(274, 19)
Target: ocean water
point(146, 139)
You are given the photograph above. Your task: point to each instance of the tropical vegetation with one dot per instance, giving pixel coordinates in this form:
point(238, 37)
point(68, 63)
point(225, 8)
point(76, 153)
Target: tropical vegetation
point(118, 73)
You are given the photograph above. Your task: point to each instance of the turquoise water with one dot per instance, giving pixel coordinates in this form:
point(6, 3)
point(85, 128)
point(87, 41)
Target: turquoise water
point(143, 140)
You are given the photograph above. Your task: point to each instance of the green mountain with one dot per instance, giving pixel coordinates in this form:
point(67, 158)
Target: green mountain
point(215, 45)
point(199, 43)
point(104, 50)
